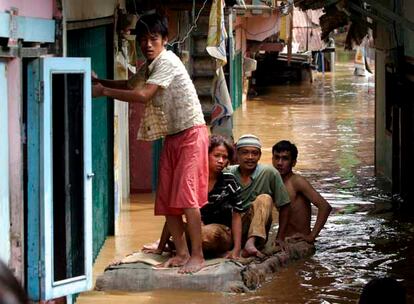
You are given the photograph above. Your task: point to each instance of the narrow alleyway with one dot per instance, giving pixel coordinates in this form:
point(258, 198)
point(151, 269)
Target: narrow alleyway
point(332, 123)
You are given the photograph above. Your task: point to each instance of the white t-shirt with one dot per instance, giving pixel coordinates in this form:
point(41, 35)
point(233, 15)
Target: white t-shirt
point(176, 94)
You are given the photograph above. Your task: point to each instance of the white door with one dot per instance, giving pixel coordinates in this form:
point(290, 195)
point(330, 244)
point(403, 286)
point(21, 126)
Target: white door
point(59, 177)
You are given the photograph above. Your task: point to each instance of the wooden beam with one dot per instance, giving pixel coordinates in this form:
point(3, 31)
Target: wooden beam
point(29, 29)
point(391, 15)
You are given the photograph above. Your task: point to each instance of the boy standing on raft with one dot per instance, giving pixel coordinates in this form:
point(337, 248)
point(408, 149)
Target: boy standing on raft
point(183, 170)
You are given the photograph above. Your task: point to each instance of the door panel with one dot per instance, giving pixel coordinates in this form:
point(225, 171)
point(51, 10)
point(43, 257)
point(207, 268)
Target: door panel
point(59, 177)
point(96, 43)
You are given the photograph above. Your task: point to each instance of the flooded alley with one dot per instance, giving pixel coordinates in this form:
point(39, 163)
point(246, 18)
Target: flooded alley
point(332, 122)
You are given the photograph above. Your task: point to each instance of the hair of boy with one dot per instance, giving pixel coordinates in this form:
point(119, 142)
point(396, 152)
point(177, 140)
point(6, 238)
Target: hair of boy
point(218, 140)
point(151, 24)
point(285, 145)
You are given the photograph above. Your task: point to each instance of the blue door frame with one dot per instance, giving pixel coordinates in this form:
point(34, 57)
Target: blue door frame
point(41, 281)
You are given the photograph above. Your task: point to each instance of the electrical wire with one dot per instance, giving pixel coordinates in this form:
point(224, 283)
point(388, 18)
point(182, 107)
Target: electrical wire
point(194, 25)
point(288, 6)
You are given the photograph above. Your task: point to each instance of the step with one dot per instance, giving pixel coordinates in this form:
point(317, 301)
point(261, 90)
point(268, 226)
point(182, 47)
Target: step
point(199, 46)
point(197, 74)
point(204, 64)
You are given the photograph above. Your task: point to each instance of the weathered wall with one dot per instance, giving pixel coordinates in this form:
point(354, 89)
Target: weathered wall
point(408, 13)
point(383, 138)
point(4, 167)
point(121, 134)
point(42, 8)
point(140, 153)
point(16, 166)
point(76, 10)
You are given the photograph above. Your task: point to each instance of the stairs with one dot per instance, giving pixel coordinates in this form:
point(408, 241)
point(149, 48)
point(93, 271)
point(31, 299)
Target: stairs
point(202, 66)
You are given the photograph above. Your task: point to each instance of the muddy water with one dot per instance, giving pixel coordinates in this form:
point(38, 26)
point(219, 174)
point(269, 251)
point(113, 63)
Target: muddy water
point(332, 123)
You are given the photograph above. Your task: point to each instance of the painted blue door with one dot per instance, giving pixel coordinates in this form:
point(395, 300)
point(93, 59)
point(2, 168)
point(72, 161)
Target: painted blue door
point(4, 168)
point(59, 194)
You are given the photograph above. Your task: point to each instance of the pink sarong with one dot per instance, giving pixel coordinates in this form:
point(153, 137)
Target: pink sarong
point(183, 172)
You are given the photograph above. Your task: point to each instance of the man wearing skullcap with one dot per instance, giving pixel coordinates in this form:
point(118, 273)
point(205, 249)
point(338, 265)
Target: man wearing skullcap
point(262, 187)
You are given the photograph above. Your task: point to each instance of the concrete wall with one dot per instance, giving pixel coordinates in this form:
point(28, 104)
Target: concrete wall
point(408, 13)
point(4, 167)
point(121, 139)
point(393, 148)
point(383, 139)
point(38, 8)
point(76, 10)
point(140, 153)
point(16, 166)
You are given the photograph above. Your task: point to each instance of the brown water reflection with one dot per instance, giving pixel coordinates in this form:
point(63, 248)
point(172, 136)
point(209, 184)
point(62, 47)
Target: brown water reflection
point(332, 123)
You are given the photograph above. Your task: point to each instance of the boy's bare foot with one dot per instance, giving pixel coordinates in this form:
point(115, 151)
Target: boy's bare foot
point(151, 246)
point(194, 264)
point(176, 261)
point(154, 251)
point(251, 250)
point(115, 263)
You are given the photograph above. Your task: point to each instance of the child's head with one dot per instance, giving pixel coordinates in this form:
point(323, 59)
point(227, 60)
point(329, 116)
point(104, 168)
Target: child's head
point(150, 25)
point(285, 145)
point(152, 35)
point(220, 153)
point(219, 140)
point(284, 156)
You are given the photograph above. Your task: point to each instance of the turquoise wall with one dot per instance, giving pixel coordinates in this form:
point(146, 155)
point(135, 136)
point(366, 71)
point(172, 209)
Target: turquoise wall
point(96, 43)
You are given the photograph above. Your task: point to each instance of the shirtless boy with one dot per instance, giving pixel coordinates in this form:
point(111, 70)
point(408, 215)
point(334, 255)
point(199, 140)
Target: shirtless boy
point(301, 194)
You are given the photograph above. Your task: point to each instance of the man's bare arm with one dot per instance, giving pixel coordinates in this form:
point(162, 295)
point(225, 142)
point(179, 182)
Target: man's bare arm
point(142, 95)
point(324, 208)
point(114, 84)
point(283, 221)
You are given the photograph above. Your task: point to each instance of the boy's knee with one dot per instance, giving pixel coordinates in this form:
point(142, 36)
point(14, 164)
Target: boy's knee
point(265, 197)
point(264, 200)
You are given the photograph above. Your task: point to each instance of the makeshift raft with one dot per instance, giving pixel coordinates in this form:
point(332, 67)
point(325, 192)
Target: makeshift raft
point(136, 272)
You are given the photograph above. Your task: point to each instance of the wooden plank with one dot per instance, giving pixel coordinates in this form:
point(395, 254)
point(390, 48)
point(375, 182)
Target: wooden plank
point(4, 167)
point(29, 29)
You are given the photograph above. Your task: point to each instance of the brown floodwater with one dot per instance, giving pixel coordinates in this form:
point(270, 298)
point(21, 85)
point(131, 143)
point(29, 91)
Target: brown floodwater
point(332, 122)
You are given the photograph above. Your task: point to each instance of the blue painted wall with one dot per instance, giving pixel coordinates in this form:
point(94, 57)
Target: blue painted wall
point(96, 43)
